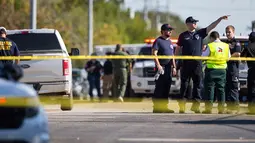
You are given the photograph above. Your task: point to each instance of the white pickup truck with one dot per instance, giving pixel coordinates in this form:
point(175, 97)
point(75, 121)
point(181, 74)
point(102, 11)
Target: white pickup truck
point(51, 77)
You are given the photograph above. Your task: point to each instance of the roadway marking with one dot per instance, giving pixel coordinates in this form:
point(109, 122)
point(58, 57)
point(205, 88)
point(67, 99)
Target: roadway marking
point(185, 140)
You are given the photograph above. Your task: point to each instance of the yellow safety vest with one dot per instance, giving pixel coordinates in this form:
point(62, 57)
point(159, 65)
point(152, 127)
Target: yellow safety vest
point(219, 51)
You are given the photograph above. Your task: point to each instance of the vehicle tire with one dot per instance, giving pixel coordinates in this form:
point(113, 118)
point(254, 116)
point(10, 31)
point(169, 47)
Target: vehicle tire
point(66, 103)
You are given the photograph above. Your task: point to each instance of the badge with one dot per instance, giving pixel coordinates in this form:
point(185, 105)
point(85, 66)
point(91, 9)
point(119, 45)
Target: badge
point(197, 36)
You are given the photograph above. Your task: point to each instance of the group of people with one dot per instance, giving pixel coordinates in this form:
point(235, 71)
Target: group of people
point(220, 73)
point(116, 73)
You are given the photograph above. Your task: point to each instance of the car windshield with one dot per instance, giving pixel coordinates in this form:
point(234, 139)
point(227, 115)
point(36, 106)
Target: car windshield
point(145, 51)
point(35, 41)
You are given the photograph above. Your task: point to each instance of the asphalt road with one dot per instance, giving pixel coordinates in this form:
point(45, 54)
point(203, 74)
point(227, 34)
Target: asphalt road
point(105, 125)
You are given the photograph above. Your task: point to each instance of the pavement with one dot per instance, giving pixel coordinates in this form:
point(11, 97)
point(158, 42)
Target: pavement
point(134, 123)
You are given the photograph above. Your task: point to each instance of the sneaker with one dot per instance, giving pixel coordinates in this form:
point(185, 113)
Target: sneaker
point(195, 109)
point(121, 99)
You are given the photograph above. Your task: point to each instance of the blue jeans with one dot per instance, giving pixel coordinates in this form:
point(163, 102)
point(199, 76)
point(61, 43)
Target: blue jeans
point(94, 82)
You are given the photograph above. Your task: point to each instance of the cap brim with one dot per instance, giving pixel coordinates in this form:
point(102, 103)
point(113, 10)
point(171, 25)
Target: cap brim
point(193, 21)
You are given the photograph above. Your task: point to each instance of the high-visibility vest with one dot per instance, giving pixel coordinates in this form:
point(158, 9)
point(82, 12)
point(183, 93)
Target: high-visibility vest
point(220, 52)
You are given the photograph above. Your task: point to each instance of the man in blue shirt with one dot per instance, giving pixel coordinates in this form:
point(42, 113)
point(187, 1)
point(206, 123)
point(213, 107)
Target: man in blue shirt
point(191, 44)
point(7, 47)
point(165, 69)
point(232, 86)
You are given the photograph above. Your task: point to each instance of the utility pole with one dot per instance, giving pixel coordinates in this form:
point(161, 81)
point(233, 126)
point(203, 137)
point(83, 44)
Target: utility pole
point(146, 15)
point(167, 10)
point(158, 14)
point(33, 13)
point(90, 27)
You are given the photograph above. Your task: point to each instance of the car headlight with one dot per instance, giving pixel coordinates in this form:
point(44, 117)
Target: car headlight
point(137, 72)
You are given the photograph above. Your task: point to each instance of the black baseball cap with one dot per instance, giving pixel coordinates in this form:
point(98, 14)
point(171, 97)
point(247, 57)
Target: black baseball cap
point(166, 27)
point(191, 20)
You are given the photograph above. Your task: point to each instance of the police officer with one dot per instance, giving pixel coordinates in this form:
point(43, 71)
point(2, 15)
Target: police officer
point(165, 68)
point(120, 73)
point(232, 91)
point(215, 72)
point(191, 43)
point(107, 78)
point(7, 47)
point(250, 52)
point(94, 68)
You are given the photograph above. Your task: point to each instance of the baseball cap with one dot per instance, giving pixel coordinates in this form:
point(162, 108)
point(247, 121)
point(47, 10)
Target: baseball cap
point(191, 20)
point(166, 27)
point(3, 29)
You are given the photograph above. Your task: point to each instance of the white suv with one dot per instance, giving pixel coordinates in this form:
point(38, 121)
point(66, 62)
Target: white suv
point(49, 76)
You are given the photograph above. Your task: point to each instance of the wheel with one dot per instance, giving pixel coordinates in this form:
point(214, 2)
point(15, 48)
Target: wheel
point(66, 103)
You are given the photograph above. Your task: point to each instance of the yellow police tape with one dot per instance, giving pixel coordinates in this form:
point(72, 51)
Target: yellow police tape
point(85, 57)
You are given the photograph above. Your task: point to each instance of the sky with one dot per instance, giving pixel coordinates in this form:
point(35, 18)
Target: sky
point(206, 11)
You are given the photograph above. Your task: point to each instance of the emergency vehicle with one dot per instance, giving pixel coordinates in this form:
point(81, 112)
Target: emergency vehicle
point(144, 70)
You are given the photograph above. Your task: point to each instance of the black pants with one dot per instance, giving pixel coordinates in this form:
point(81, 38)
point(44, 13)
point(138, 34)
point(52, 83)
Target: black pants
point(191, 70)
point(162, 89)
point(215, 78)
point(251, 89)
point(232, 92)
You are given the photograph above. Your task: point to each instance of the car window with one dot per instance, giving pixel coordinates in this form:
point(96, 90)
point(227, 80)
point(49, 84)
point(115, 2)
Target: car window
point(35, 41)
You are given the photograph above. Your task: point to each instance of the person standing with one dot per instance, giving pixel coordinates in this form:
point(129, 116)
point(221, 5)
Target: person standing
point(107, 78)
point(93, 67)
point(7, 47)
point(250, 52)
point(191, 44)
point(232, 86)
point(215, 72)
point(120, 74)
point(165, 69)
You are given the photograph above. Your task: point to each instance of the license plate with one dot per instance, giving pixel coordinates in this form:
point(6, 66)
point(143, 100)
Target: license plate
point(151, 82)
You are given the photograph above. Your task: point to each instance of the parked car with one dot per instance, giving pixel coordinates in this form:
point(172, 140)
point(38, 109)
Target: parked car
point(54, 76)
point(23, 118)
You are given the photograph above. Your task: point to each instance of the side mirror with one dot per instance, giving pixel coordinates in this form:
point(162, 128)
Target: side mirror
point(74, 52)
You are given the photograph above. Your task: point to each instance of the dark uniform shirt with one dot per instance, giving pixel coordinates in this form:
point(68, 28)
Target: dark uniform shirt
point(247, 53)
point(192, 42)
point(8, 48)
point(96, 71)
point(235, 46)
point(107, 67)
point(164, 47)
point(120, 63)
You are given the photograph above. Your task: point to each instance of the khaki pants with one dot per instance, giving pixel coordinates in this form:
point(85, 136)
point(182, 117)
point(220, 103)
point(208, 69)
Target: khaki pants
point(107, 85)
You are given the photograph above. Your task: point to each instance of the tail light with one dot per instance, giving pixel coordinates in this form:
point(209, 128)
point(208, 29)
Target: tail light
point(65, 67)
